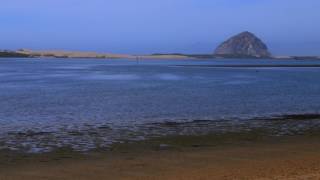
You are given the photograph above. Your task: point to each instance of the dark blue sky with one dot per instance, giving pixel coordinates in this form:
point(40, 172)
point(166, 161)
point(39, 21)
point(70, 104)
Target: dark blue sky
point(151, 26)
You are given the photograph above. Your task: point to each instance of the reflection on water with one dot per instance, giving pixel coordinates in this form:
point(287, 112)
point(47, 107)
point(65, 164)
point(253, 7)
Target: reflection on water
point(169, 77)
point(88, 103)
point(116, 77)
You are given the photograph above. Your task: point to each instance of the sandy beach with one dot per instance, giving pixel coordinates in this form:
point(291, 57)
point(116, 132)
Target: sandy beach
point(276, 158)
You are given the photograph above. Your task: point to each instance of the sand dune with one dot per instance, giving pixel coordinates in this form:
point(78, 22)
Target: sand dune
point(79, 54)
point(72, 54)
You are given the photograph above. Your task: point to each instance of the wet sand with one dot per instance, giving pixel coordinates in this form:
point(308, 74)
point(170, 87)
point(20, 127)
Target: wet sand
point(255, 66)
point(276, 158)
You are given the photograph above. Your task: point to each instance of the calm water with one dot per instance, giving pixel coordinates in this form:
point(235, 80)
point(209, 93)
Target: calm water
point(88, 103)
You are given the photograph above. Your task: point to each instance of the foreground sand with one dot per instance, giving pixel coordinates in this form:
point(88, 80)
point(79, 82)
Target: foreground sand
point(290, 158)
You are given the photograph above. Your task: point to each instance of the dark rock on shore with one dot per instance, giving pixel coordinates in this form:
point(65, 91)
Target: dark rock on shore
point(245, 44)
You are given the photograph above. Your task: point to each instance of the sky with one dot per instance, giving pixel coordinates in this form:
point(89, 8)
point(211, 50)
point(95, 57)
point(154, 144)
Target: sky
point(289, 27)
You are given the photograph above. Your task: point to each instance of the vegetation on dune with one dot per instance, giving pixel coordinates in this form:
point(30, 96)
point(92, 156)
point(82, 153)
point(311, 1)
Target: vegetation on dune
point(12, 54)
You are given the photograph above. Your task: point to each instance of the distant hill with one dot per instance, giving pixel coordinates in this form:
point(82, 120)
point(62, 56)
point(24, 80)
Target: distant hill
point(245, 44)
point(242, 46)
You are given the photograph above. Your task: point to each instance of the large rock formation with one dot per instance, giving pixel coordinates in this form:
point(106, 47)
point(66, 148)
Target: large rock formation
point(245, 44)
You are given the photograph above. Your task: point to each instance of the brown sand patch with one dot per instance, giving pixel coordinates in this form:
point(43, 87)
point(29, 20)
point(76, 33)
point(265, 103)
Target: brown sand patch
point(294, 158)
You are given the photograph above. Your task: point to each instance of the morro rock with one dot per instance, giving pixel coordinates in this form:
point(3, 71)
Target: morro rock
point(245, 44)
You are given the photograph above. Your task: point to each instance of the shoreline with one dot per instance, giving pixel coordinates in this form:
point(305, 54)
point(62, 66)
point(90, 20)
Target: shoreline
point(152, 135)
point(162, 57)
point(179, 157)
point(61, 54)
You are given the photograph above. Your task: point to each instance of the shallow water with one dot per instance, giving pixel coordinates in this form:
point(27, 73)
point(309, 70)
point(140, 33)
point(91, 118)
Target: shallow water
point(48, 103)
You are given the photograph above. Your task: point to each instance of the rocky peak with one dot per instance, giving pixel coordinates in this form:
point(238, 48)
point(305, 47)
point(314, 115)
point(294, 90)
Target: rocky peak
point(245, 44)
